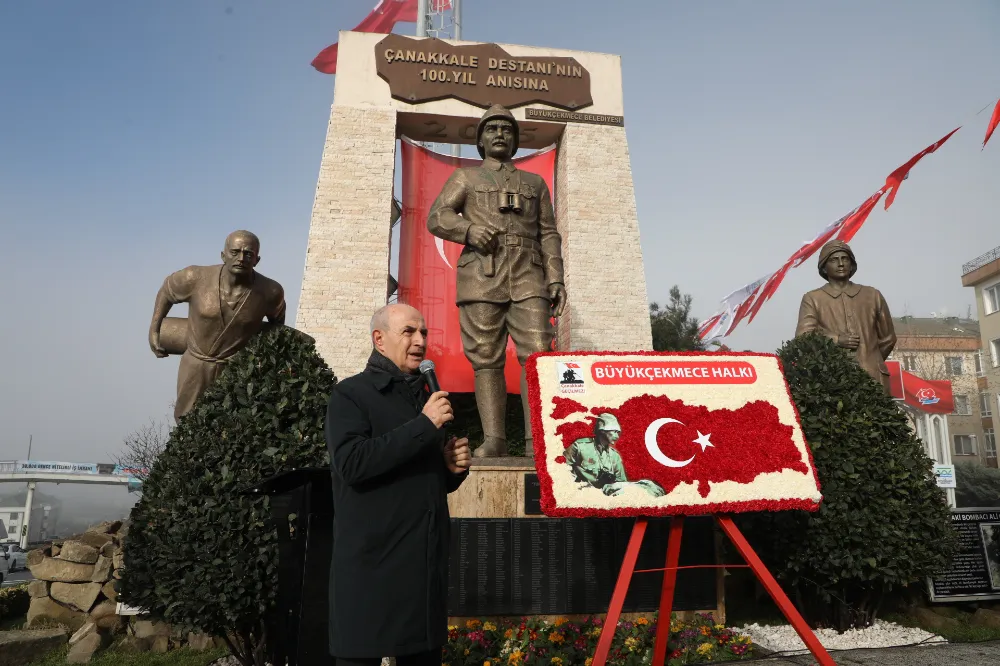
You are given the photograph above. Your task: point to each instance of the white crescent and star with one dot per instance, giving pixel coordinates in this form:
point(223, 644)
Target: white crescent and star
point(665, 460)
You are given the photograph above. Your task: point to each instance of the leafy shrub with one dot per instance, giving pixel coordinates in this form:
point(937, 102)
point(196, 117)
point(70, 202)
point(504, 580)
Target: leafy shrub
point(977, 486)
point(883, 523)
point(14, 602)
point(200, 554)
point(534, 642)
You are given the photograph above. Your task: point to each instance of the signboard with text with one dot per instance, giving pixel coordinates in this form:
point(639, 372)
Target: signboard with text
point(661, 433)
point(54, 467)
point(974, 573)
point(425, 70)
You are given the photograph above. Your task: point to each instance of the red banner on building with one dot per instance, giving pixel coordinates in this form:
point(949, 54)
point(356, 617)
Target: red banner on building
point(931, 396)
point(427, 263)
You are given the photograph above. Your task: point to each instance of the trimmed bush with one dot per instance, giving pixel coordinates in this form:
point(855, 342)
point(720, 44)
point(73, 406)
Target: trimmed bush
point(14, 601)
point(200, 554)
point(883, 523)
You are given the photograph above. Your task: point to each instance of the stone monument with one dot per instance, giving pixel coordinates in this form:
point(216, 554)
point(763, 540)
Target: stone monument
point(227, 305)
point(854, 316)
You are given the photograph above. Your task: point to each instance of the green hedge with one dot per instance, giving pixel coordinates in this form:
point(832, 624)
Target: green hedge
point(14, 602)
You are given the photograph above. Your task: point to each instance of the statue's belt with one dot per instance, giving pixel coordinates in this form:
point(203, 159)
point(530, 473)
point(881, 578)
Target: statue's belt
point(510, 240)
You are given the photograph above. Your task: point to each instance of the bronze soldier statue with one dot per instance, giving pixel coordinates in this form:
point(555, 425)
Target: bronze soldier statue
point(510, 273)
point(226, 307)
point(854, 316)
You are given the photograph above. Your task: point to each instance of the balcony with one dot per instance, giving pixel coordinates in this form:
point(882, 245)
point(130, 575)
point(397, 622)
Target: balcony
point(981, 268)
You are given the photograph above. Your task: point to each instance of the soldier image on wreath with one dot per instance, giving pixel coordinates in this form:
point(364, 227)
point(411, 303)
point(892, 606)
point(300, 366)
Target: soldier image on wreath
point(595, 462)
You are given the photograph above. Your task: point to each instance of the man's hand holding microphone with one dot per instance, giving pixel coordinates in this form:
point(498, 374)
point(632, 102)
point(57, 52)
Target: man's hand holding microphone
point(457, 454)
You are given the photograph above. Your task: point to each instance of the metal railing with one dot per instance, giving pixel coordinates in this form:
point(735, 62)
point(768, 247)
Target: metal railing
point(981, 261)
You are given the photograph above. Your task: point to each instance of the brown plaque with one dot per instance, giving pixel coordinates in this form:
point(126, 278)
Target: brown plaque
point(570, 116)
point(424, 70)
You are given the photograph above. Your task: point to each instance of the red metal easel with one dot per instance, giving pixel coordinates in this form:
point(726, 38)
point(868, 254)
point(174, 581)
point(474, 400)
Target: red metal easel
point(670, 582)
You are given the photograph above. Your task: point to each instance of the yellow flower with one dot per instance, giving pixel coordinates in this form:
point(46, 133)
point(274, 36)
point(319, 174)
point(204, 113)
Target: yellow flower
point(590, 660)
point(452, 627)
point(720, 627)
point(472, 624)
point(557, 661)
point(487, 663)
point(642, 620)
point(595, 632)
point(556, 637)
point(489, 626)
point(466, 652)
point(515, 657)
point(705, 649)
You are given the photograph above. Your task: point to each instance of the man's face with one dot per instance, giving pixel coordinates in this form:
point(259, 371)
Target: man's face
point(608, 437)
point(838, 266)
point(240, 255)
point(405, 340)
point(498, 139)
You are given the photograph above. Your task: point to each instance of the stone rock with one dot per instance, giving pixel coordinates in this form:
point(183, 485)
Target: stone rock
point(986, 618)
point(95, 540)
point(931, 621)
point(83, 632)
point(135, 644)
point(151, 629)
point(37, 555)
point(80, 596)
point(102, 570)
point(45, 607)
point(103, 609)
point(23, 647)
point(200, 642)
point(109, 591)
point(77, 551)
point(160, 644)
point(117, 559)
point(108, 550)
point(38, 588)
point(113, 624)
point(220, 643)
point(63, 571)
point(84, 650)
point(947, 611)
point(107, 527)
point(55, 550)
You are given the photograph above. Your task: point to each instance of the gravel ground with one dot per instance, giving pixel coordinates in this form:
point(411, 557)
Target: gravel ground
point(783, 639)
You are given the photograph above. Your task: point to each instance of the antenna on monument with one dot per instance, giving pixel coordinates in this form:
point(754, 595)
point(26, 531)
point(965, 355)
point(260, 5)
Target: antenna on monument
point(440, 19)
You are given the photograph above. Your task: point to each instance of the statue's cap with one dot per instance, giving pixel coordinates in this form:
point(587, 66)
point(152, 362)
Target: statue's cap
point(497, 112)
point(836, 246)
point(607, 422)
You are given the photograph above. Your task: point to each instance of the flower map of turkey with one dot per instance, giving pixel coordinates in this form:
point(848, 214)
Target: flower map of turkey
point(645, 434)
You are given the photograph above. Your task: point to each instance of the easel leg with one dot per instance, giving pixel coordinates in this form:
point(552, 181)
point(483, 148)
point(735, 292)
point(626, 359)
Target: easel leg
point(772, 587)
point(667, 592)
point(618, 597)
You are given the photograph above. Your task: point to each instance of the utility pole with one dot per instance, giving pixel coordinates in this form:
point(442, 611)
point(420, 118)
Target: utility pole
point(27, 504)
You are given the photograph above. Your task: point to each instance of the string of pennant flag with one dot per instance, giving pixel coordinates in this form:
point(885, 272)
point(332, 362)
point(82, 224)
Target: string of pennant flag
point(746, 302)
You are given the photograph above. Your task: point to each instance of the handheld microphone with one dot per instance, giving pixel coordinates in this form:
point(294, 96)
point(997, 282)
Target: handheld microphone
point(427, 370)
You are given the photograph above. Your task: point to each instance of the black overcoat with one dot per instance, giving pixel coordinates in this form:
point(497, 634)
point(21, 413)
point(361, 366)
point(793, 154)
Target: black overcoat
point(389, 574)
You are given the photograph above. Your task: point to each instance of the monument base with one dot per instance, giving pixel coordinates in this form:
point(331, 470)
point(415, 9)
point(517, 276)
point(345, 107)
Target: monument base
point(510, 560)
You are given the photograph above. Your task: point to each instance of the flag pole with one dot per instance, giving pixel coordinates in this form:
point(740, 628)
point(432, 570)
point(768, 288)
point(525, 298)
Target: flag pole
point(421, 18)
point(456, 18)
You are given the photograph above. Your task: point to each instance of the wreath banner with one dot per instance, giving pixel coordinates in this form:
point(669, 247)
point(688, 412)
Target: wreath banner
point(667, 433)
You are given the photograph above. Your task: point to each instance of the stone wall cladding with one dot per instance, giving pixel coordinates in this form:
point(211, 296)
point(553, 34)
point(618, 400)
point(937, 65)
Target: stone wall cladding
point(347, 258)
point(596, 215)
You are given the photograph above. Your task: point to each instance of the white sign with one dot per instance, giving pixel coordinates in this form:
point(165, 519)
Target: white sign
point(945, 475)
point(52, 467)
point(122, 609)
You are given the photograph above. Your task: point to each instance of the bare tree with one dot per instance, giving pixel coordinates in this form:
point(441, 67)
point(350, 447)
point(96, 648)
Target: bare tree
point(142, 447)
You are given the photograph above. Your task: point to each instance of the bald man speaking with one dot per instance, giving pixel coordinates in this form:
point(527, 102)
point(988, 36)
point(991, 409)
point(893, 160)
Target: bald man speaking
point(392, 466)
point(227, 304)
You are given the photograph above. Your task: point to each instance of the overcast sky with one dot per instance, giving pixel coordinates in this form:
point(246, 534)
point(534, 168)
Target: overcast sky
point(135, 135)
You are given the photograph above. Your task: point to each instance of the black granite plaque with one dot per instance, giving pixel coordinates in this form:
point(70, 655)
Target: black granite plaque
point(590, 564)
point(974, 573)
point(532, 495)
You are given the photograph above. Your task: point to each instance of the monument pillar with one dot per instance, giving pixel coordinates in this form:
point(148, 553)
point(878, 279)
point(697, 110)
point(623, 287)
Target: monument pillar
point(595, 212)
point(347, 258)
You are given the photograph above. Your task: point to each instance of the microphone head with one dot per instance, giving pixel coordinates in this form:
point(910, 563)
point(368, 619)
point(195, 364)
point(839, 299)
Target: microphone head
point(426, 366)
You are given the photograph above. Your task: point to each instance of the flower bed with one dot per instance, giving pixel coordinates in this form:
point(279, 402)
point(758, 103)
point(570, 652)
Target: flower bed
point(563, 643)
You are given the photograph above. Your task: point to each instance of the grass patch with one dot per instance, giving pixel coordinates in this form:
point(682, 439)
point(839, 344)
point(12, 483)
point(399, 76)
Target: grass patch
point(966, 632)
point(114, 657)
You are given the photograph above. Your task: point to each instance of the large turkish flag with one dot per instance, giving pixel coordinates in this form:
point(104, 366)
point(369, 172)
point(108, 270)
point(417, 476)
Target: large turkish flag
point(427, 263)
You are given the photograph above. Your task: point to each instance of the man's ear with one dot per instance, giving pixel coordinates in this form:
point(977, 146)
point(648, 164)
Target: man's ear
point(378, 340)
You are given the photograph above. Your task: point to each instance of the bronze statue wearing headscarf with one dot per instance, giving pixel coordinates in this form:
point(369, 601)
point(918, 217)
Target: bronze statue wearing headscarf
point(854, 316)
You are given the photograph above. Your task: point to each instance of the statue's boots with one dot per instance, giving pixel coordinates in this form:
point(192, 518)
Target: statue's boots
point(529, 448)
point(491, 399)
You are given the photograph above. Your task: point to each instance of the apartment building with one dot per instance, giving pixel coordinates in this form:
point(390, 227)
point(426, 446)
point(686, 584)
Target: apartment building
point(982, 274)
point(949, 348)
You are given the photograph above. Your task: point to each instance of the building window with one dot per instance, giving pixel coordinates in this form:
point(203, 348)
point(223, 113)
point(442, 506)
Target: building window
point(953, 365)
point(995, 352)
point(964, 445)
point(991, 299)
point(979, 363)
point(985, 404)
point(962, 406)
point(989, 443)
point(910, 363)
